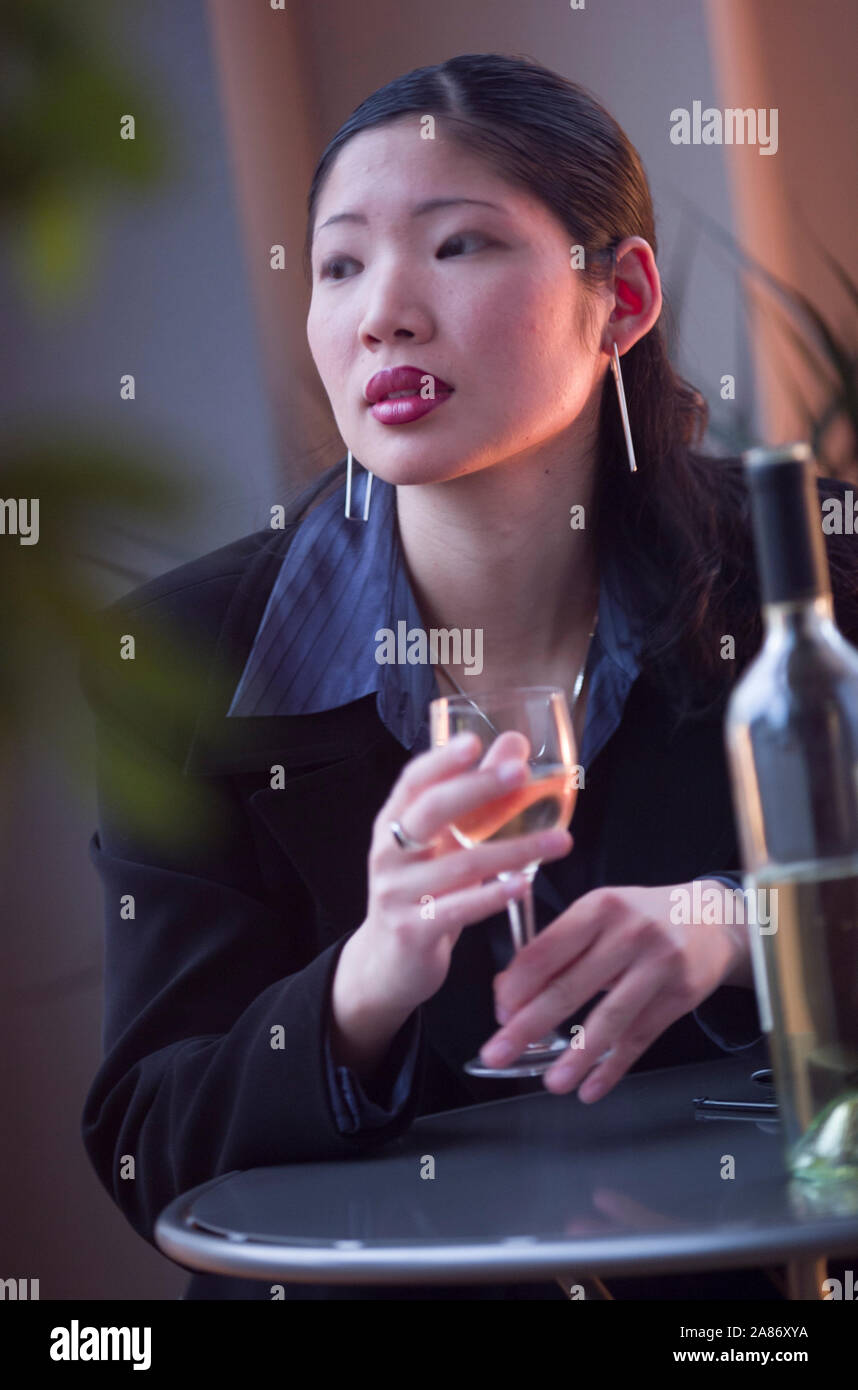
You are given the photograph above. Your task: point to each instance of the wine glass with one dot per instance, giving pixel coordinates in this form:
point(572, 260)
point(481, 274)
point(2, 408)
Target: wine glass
point(544, 802)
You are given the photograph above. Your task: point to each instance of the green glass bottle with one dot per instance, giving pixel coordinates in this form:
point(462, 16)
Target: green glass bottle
point(791, 733)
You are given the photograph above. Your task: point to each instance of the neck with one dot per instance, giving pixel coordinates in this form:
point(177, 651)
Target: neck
point(494, 550)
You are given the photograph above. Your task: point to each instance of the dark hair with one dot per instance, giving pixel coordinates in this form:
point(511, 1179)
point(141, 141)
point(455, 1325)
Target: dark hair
point(679, 528)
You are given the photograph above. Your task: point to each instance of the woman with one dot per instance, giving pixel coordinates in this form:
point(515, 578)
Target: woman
point(488, 226)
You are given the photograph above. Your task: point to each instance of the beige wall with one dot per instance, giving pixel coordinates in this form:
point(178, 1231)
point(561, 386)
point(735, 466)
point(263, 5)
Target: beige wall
point(800, 58)
point(269, 96)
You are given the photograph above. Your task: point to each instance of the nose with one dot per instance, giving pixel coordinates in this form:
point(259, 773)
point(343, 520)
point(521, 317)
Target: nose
point(395, 311)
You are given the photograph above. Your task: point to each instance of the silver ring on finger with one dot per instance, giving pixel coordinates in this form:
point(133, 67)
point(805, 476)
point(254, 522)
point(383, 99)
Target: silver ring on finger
point(403, 839)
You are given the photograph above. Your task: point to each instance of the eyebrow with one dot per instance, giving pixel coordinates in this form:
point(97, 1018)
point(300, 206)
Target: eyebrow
point(430, 206)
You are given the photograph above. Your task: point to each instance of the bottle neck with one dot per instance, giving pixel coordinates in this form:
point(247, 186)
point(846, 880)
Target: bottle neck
point(792, 562)
point(810, 617)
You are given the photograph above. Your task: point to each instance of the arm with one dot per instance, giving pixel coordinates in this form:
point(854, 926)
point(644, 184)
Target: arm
point(216, 1000)
point(368, 1103)
point(371, 1075)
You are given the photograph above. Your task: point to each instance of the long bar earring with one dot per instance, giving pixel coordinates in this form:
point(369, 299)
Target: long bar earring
point(369, 476)
point(624, 410)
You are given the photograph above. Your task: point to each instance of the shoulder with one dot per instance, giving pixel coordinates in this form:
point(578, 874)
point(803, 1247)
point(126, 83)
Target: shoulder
point(838, 502)
point(147, 657)
point(838, 520)
point(145, 660)
point(729, 471)
point(198, 593)
point(187, 606)
point(701, 582)
point(201, 589)
point(728, 481)
point(839, 507)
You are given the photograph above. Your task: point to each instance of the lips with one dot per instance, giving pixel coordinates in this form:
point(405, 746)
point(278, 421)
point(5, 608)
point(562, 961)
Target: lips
point(393, 379)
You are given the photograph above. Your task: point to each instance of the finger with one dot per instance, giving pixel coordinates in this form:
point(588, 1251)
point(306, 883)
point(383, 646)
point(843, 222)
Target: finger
point(608, 1021)
point(443, 803)
point(470, 866)
point(429, 767)
point(566, 943)
point(457, 910)
point(623, 1031)
point(509, 744)
point(606, 1074)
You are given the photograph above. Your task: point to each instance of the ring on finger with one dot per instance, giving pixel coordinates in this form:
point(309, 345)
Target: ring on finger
point(403, 839)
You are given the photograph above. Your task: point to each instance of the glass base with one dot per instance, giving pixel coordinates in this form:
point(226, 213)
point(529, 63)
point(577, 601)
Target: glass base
point(827, 1153)
point(536, 1058)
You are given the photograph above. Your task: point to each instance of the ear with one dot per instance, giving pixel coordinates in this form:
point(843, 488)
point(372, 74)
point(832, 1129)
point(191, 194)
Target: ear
point(637, 296)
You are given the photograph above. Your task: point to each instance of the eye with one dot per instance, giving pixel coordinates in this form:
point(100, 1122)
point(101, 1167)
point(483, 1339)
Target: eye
point(327, 267)
point(464, 237)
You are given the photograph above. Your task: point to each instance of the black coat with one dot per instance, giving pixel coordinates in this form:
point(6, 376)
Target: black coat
point(239, 927)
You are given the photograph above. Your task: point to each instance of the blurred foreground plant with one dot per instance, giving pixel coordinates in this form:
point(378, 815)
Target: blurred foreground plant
point(62, 97)
point(54, 621)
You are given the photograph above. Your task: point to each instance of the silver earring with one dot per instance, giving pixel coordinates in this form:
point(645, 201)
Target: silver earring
point(624, 410)
point(349, 516)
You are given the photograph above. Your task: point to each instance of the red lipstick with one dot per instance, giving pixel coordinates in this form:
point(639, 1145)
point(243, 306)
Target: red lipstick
point(403, 408)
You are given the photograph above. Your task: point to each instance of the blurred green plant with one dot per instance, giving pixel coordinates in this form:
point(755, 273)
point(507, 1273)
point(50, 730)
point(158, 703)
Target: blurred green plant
point(62, 97)
point(830, 356)
point(55, 624)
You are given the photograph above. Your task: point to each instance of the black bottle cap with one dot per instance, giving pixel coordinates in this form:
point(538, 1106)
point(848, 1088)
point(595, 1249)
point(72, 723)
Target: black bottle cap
point(790, 547)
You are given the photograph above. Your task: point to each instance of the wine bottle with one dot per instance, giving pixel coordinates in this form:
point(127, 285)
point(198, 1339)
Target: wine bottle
point(791, 734)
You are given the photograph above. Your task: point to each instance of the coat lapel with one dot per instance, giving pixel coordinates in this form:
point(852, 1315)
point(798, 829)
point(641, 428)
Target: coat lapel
point(322, 819)
point(338, 769)
point(220, 745)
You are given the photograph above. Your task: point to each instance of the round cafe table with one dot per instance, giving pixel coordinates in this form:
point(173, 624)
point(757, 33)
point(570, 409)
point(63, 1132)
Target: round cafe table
point(532, 1188)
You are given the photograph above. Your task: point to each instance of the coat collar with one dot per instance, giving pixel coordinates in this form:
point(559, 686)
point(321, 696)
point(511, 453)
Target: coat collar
point(220, 745)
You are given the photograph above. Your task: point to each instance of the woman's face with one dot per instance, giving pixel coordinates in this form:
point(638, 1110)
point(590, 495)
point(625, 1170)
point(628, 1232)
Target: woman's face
point(482, 298)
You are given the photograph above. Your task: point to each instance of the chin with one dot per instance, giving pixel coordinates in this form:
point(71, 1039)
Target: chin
point(410, 473)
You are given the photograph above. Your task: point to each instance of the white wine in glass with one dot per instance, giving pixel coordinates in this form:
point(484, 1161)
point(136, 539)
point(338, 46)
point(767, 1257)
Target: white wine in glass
point(545, 802)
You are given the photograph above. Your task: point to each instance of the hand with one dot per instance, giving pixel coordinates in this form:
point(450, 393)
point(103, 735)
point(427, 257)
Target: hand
point(620, 940)
point(400, 954)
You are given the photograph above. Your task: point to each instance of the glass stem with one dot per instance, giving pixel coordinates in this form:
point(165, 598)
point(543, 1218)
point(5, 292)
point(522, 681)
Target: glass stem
point(523, 928)
point(520, 912)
